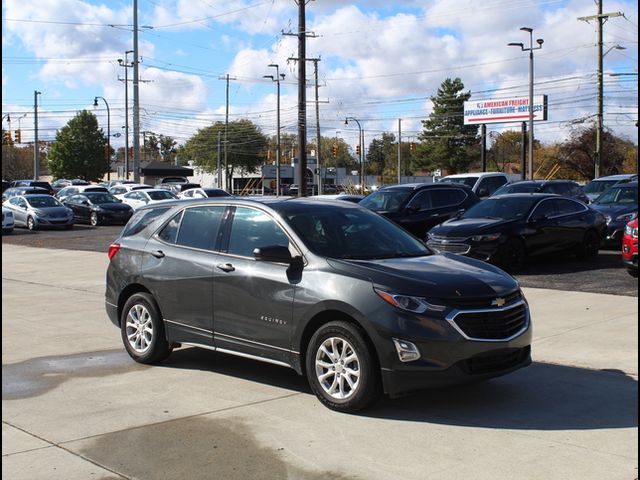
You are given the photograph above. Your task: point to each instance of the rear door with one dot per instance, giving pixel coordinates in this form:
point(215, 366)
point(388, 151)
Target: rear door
point(542, 233)
point(178, 267)
point(253, 299)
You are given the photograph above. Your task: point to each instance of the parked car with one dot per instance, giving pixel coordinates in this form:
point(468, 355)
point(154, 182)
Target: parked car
point(630, 247)
point(64, 182)
point(566, 188)
point(34, 183)
point(140, 198)
point(483, 184)
point(98, 208)
point(507, 229)
point(75, 189)
point(174, 180)
point(35, 211)
point(421, 206)
point(7, 220)
point(597, 186)
point(14, 191)
point(619, 205)
point(204, 193)
point(345, 197)
point(112, 183)
point(5, 185)
point(338, 293)
point(120, 189)
point(178, 188)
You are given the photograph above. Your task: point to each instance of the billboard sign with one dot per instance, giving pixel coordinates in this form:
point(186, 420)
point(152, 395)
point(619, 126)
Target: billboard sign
point(504, 110)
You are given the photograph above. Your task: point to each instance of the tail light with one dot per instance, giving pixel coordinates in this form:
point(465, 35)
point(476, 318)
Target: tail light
point(113, 249)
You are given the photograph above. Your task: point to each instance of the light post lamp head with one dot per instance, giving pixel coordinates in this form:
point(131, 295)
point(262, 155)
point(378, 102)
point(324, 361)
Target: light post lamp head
point(268, 76)
point(526, 29)
point(346, 121)
point(540, 41)
point(95, 102)
point(512, 44)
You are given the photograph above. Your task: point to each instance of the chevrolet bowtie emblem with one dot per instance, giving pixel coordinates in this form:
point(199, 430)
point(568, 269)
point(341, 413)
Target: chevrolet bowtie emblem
point(499, 302)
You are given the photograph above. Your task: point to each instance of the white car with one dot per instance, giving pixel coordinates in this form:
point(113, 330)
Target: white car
point(118, 191)
point(204, 193)
point(140, 198)
point(7, 220)
point(483, 184)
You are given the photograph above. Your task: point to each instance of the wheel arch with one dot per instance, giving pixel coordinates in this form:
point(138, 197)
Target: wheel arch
point(127, 292)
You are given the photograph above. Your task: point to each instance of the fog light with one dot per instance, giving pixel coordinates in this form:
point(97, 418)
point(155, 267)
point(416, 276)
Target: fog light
point(625, 248)
point(407, 351)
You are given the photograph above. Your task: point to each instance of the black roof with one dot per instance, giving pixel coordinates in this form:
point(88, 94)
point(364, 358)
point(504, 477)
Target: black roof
point(161, 169)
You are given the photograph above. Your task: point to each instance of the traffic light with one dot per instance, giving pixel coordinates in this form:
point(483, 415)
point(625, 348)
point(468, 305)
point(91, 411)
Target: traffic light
point(18, 136)
point(334, 151)
point(412, 147)
point(6, 138)
point(358, 150)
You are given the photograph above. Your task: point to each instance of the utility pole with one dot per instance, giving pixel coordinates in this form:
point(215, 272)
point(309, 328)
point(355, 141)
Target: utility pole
point(318, 137)
point(126, 66)
point(219, 153)
point(399, 150)
point(226, 138)
point(36, 152)
point(136, 98)
point(601, 18)
point(278, 78)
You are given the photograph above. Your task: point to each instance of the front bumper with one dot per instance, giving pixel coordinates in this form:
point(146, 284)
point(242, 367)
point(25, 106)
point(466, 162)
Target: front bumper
point(54, 222)
point(485, 251)
point(115, 217)
point(613, 234)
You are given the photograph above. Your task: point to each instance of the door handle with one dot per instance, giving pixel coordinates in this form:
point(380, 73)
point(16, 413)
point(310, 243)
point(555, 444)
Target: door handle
point(158, 254)
point(225, 267)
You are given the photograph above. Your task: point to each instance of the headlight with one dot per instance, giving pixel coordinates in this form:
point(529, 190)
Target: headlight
point(631, 231)
point(627, 217)
point(409, 303)
point(486, 238)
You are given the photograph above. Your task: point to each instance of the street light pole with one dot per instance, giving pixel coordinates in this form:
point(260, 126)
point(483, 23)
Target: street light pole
point(346, 122)
point(36, 159)
point(531, 48)
point(95, 104)
point(126, 66)
point(279, 76)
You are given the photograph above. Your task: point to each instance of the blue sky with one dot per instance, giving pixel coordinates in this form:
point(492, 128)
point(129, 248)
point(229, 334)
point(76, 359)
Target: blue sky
point(380, 61)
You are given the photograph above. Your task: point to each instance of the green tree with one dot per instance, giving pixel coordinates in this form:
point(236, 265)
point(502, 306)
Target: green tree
point(343, 156)
point(382, 157)
point(505, 150)
point(246, 149)
point(79, 149)
point(446, 143)
point(159, 147)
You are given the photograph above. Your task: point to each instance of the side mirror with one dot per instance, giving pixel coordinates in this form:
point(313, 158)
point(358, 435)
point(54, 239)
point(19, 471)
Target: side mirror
point(412, 208)
point(272, 253)
point(483, 192)
point(538, 218)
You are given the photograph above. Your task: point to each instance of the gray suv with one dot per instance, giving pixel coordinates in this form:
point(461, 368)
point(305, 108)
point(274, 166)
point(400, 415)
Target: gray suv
point(334, 291)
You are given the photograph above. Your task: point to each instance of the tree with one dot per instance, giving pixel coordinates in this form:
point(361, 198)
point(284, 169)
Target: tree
point(159, 147)
point(577, 153)
point(17, 162)
point(343, 156)
point(79, 149)
point(446, 143)
point(246, 149)
point(382, 157)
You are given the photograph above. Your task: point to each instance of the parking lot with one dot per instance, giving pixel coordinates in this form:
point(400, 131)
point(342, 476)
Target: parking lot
point(75, 406)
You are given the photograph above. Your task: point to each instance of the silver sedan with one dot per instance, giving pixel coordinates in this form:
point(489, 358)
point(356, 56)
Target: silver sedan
point(33, 211)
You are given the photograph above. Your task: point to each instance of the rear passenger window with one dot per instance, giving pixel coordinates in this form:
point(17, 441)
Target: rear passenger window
point(567, 207)
point(170, 231)
point(446, 197)
point(253, 229)
point(546, 208)
point(200, 226)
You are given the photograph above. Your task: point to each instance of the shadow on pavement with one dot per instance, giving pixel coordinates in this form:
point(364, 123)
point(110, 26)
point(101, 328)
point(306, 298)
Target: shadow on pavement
point(540, 397)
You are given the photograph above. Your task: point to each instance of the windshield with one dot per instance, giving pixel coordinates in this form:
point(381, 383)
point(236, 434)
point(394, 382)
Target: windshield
point(352, 233)
point(386, 200)
point(43, 202)
point(102, 198)
point(214, 192)
point(619, 196)
point(161, 195)
point(506, 208)
point(468, 181)
point(517, 188)
point(599, 186)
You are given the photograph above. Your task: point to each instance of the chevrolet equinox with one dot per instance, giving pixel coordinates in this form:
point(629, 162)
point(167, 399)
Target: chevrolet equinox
point(331, 289)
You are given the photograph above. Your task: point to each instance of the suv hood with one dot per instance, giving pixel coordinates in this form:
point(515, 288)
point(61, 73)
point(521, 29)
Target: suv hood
point(466, 227)
point(441, 276)
point(614, 210)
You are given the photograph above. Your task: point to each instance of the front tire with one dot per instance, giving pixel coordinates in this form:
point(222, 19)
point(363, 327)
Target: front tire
point(94, 220)
point(590, 246)
point(341, 369)
point(142, 330)
point(31, 223)
point(514, 255)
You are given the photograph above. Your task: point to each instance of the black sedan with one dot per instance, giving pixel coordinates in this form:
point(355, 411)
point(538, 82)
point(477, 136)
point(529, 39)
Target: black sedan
point(98, 207)
point(421, 206)
point(619, 205)
point(507, 229)
point(566, 188)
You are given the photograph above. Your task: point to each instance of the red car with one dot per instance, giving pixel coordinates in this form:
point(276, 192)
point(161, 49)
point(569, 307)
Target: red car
point(630, 247)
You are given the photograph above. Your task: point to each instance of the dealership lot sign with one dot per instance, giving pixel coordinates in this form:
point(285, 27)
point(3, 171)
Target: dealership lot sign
point(504, 110)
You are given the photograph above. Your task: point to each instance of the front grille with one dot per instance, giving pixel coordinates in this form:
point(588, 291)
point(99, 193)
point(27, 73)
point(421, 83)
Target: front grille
point(483, 302)
point(460, 248)
point(496, 361)
point(494, 324)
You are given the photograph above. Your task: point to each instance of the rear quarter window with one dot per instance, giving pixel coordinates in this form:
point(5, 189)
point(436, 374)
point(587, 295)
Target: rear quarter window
point(141, 220)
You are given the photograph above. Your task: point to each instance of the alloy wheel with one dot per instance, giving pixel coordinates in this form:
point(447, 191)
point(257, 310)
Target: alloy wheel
point(139, 328)
point(337, 368)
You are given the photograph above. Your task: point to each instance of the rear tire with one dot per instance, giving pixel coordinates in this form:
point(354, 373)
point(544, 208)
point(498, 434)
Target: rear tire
point(590, 246)
point(514, 255)
point(142, 330)
point(341, 369)
point(31, 223)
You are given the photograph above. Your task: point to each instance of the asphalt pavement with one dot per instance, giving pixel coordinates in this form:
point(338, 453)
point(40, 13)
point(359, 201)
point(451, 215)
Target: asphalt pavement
point(75, 406)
